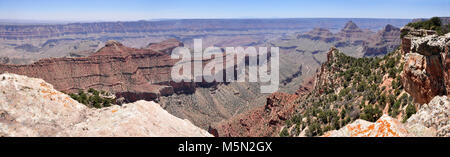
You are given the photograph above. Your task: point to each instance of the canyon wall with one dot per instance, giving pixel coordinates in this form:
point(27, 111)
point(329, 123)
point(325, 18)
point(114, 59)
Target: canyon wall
point(372, 44)
point(426, 72)
point(20, 32)
point(135, 74)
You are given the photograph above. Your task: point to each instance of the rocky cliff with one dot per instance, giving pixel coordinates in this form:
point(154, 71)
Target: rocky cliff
point(426, 72)
point(385, 40)
point(31, 107)
point(424, 75)
point(129, 72)
point(388, 96)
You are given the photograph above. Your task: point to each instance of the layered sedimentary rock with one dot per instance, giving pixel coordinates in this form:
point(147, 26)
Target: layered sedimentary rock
point(167, 46)
point(426, 70)
point(351, 32)
point(384, 41)
point(31, 107)
point(114, 68)
point(22, 31)
point(321, 34)
point(372, 44)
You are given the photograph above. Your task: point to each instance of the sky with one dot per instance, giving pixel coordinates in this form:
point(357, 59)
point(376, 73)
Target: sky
point(131, 10)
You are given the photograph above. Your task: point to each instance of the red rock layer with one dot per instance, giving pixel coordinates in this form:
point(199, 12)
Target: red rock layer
point(264, 120)
point(114, 68)
point(427, 65)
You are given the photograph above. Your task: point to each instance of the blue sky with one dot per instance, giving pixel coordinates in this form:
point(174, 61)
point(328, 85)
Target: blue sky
point(128, 10)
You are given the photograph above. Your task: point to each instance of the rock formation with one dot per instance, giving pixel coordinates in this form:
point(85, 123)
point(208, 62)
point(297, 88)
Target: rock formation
point(129, 72)
point(265, 120)
point(430, 121)
point(372, 44)
point(384, 127)
point(167, 46)
point(426, 71)
point(31, 107)
point(351, 32)
point(341, 99)
point(385, 41)
point(20, 31)
point(321, 34)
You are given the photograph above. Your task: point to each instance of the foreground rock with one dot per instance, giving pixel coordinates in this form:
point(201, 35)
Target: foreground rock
point(384, 127)
point(431, 120)
point(31, 107)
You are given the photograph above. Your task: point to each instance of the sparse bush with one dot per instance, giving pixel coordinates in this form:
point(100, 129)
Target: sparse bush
point(92, 98)
point(410, 110)
point(284, 132)
point(314, 129)
point(431, 24)
point(371, 113)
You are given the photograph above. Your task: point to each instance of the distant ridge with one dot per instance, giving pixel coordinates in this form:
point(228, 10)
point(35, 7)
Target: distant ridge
point(39, 30)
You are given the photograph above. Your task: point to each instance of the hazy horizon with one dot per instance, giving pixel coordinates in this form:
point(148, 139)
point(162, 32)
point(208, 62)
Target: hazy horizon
point(134, 10)
point(26, 21)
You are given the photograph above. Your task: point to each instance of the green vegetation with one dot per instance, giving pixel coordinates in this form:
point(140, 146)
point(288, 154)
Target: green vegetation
point(431, 24)
point(353, 90)
point(284, 133)
point(410, 110)
point(93, 98)
point(371, 113)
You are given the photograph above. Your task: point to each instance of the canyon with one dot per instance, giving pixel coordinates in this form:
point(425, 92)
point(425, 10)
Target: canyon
point(322, 92)
point(27, 43)
point(144, 73)
point(408, 86)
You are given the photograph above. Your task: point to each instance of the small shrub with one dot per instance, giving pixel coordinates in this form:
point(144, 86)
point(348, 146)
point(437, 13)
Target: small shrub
point(284, 132)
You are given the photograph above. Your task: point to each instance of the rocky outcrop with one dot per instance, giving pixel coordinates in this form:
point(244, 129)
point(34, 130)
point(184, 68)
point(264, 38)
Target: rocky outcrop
point(430, 121)
point(384, 127)
point(426, 71)
point(114, 68)
point(31, 107)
